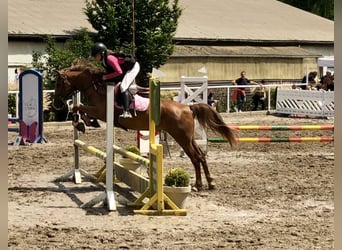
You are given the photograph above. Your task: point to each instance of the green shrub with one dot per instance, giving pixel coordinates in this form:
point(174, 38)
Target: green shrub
point(177, 177)
point(11, 105)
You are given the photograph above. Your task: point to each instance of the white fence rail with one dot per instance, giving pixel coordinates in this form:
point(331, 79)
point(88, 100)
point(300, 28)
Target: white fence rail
point(304, 102)
point(324, 109)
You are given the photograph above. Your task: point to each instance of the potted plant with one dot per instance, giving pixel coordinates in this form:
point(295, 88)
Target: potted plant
point(129, 163)
point(177, 185)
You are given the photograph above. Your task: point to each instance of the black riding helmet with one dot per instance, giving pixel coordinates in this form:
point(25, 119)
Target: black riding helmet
point(97, 48)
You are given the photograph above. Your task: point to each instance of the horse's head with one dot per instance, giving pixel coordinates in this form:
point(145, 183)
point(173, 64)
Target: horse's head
point(81, 76)
point(63, 90)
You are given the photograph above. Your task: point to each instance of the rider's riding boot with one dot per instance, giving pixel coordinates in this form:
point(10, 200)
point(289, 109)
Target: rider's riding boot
point(125, 102)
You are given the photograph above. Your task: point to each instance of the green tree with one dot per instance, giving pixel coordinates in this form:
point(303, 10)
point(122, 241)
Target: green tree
point(323, 8)
point(61, 56)
point(58, 57)
point(143, 28)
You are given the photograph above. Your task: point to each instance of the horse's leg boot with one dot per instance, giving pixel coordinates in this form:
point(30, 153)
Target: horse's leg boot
point(79, 126)
point(94, 123)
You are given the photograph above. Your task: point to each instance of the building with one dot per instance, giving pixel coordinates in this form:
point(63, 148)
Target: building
point(268, 39)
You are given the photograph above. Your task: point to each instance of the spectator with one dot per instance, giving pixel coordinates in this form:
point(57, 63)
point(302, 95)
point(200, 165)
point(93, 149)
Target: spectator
point(240, 93)
point(327, 82)
point(308, 82)
point(211, 101)
point(316, 77)
point(313, 84)
point(331, 84)
point(259, 96)
point(294, 86)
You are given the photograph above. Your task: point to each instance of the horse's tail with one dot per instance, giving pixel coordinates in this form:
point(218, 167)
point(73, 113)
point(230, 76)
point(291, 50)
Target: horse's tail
point(209, 118)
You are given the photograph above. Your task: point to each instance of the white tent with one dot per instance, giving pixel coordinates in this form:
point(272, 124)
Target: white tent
point(326, 62)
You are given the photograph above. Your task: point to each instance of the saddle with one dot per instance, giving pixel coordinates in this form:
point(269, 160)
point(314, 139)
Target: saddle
point(118, 108)
point(142, 91)
point(135, 89)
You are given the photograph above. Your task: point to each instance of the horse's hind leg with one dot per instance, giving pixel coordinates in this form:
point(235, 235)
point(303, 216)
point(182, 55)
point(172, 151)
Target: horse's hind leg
point(197, 165)
point(201, 155)
point(197, 158)
point(190, 151)
point(210, 180)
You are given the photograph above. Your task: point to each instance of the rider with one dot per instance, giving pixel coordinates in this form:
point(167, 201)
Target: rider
point(114, 72)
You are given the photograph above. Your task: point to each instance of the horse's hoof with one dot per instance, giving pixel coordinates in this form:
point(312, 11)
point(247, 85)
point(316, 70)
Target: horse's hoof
point(212, 186)
point(196, 188)
point(94, 123)
point(80, 127)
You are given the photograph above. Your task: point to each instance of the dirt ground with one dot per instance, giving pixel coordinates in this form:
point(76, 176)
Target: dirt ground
point(268, 196)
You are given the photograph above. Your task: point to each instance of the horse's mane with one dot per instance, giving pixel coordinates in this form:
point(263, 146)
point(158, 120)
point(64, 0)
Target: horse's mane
point(84, 64)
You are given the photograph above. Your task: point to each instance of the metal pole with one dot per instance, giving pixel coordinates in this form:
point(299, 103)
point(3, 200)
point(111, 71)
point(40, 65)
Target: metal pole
point(133, 29)
point(109, 151)
point(76, 99)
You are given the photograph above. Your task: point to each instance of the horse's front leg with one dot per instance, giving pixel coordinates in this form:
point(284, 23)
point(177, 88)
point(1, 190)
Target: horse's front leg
point(75, 119)
point(74, 108)
point(87, 112)
point(98, 111)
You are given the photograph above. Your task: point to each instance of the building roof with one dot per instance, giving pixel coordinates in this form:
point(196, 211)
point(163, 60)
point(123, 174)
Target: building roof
point(268, 20)
point(233, 20)
point(46, 17)
point(242, 51)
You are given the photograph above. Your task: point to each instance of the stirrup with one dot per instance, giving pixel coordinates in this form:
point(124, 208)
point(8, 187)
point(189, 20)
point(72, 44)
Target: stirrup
point(126, 114)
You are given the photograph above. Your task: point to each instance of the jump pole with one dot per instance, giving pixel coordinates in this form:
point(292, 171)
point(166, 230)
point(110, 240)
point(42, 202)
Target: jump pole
point(279, 128)
point(276, 139)
point(130, 178)
point(14, 129)
point(108, 194)
point(75, 172)
point(283, 127)
point(13, 120)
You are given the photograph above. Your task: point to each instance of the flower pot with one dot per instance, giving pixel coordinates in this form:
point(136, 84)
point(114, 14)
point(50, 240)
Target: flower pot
point(129, 163)
point(177, 194)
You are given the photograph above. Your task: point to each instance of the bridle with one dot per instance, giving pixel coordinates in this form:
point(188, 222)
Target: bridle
point(63, 77)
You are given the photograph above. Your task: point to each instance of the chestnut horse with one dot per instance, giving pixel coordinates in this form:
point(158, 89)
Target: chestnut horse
point(176, 119)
